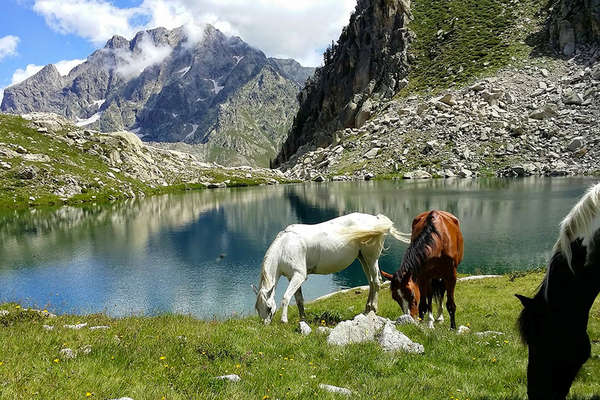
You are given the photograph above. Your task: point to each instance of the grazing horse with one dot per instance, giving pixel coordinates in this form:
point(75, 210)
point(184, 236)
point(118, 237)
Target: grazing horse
point(323, 248)
point(429, 266)
point(554, 322)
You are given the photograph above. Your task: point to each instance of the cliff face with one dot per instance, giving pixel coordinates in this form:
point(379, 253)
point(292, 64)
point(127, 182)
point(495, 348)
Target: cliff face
point(574, 22)
point(368, 60)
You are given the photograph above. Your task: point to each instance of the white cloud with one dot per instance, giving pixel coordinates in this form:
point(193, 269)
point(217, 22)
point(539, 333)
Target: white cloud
point(63, 67)
point(8, 46)
point(297, 29)
point(132, 64)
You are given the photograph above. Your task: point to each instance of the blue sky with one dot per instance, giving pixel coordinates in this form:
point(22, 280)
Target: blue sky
point(38, 32)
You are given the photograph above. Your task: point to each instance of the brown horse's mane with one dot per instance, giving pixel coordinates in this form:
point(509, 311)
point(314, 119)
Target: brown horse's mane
point(417, 251)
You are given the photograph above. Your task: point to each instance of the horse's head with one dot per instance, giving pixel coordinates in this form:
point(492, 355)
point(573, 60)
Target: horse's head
point(558, 346)
point(553, 324)
point(406, 293)
point(265, 304)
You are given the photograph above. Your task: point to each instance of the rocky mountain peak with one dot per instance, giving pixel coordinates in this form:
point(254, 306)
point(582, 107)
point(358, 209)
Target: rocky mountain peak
point(117, 42)
point(369, 59)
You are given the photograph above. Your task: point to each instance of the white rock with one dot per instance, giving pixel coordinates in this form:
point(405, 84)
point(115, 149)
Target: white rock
point(99, 328)
point(361, 329)
point(4, 313)
point(76, 327)
point(335, 389)
point(304, 328)
point(489, 333)
point(390, 339)
point(463, 330)
point(87, 349)
point(48, 327)
point(419, 174)
point(323, 330)
point(67, 353)
point(231, 378)
point(371, 154)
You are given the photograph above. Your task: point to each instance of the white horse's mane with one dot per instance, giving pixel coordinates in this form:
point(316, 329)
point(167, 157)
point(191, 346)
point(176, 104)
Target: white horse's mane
point(384, 226)
point(578, 223)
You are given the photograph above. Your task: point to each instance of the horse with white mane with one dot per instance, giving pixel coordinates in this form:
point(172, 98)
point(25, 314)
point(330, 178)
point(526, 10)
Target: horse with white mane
point(323, 248)
point(554, 322)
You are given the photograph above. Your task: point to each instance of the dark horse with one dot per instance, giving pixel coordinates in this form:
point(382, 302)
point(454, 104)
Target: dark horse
point(554, 322)
point(429, 266)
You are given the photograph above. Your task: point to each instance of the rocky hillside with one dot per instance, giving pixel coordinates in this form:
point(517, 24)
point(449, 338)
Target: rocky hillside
point(485, 94)
point(369, 59)
point(172, 86)
point(46, 160)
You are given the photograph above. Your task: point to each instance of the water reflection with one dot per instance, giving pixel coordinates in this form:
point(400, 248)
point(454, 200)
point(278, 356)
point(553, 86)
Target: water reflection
point(198, 252)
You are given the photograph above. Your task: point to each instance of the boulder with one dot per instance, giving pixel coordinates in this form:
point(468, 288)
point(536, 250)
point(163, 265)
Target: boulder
point(406, 320)
point(361, 329)
point(419, 174)
point(570, 97)
point(544, 112)
point(448, 99)
point(390, 339)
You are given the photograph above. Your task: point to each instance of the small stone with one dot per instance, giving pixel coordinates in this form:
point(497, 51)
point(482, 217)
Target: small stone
point(99, 328)
point(489, 333)
point(371, 154)
point(87, 349)
point(335, 389)
point(405, 320)
point(545, 72)
point(463, 330)
point(231, 378)
point(369, 176)
point(319, 179)
point(419, 174)
point(4, 313)
point(448, 99)
point(67, 354)
point(75, 327)
point(304, 328)
point(27, 173)
point(575, 144)
point(465, 173)
point(5, 165)
point(48, 327)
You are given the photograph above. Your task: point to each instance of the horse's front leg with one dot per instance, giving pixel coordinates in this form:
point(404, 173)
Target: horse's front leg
point(295, 283)
point(300, 303)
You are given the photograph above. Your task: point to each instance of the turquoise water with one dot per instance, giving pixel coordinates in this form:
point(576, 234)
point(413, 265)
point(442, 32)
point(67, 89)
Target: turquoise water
point(197, 253)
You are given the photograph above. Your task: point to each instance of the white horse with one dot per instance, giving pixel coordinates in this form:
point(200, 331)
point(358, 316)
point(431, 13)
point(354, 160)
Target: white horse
point(323, 249)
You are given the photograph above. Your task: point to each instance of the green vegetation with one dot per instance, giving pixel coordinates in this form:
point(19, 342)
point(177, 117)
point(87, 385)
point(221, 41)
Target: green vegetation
point(460, 40)
point(177, 357)
point(67, 165)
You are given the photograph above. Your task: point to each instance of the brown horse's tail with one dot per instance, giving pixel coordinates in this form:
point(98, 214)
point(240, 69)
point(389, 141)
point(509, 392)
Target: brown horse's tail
point(386, 275)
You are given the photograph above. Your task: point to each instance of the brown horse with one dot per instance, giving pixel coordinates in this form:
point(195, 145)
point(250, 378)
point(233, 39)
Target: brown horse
point(429, 266)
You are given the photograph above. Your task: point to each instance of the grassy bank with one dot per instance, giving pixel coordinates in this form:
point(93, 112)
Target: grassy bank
point(177, 357)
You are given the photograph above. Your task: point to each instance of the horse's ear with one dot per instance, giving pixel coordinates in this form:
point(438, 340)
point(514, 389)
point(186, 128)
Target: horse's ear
point(254, 288)
point(386, 275)
point(526, 301)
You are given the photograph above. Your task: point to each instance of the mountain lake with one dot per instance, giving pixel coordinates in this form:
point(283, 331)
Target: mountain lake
point(197, 253)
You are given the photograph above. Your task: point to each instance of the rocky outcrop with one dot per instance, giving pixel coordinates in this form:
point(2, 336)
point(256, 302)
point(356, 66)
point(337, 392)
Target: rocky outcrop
point(574, 22)
point(533, 120)
point(369, 60)
point(168, 86)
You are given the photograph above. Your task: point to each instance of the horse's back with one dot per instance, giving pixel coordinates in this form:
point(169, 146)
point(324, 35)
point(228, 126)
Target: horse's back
point(450, 240)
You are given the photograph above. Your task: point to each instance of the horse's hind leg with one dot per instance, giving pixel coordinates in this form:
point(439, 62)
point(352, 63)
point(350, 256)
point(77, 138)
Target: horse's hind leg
point(450, 284)
point(300, 303)
point(295, 283)
point(371, 269)
point(439, 290)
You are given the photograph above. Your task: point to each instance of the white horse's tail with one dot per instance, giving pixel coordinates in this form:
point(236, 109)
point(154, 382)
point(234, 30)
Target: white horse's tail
point(579, 222)
point(383, 227)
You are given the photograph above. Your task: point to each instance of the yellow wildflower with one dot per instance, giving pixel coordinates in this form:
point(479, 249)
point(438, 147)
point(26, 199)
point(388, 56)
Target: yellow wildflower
point(162, 358)
point(88, 394)
point(56, 360)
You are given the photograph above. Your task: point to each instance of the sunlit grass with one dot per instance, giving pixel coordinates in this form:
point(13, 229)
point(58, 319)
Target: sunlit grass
point(177, 357)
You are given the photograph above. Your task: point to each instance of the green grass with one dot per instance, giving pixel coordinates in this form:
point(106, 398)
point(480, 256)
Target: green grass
point(458, 41)
point(275, 360)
